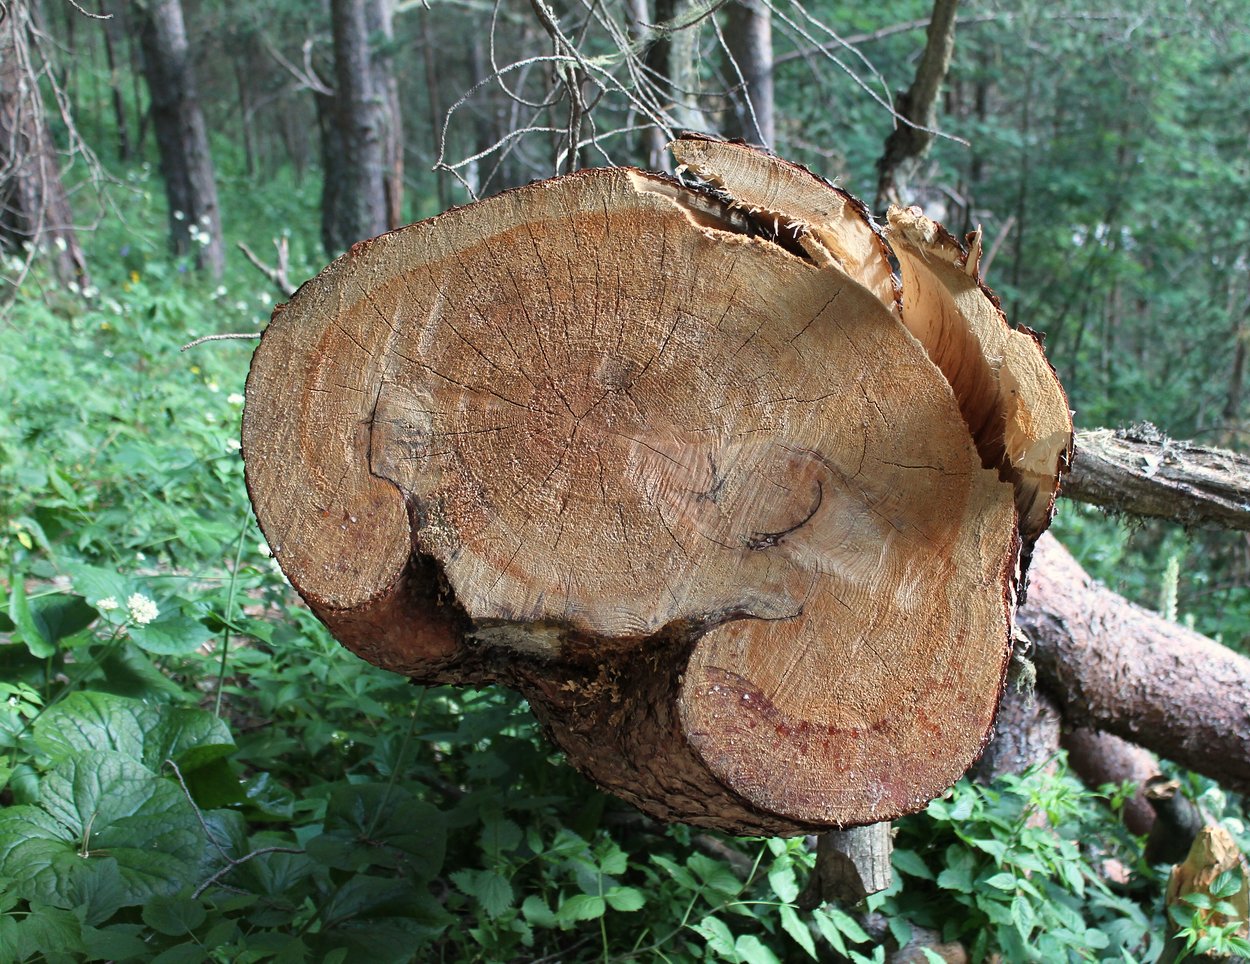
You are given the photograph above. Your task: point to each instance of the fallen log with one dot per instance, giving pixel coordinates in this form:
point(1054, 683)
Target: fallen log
point(1141, 471)
point(679, 464)
point(1116, 667)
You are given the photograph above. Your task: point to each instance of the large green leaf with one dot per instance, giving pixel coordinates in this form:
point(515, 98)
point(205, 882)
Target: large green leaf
point(90, 721)
point(105, 824)
point(381, 825)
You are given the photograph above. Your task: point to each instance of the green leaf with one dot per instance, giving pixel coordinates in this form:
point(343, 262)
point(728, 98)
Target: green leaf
point(46, 934)
point(115, 942)
point(1003, 881)
point(101, 813)
point(91, 721)
point(752, 950)
point(829, 930)
point(580, 907)
point(382, 825)
point(19, 611)
point(720, 939)
point(535, 910)
point(793, 926)
point(94, 583)
point(782, 879)
point(716, 874)
point(491, 890)
point(173, 915)
point(625, 899)
point(499, 835)
point(847, 925)
point(191, 952)
point(172, 635)
point(909, 862)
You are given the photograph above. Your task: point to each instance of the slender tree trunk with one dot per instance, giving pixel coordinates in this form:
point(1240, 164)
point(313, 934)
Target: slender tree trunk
point(34, 208)
point(361, 192)
point(917, 108)
point(181, 136)
point(114, 40)
point(672, 67)
point(749, 36)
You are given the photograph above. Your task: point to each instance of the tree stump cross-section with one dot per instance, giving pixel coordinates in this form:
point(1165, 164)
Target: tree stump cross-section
point(668, 460)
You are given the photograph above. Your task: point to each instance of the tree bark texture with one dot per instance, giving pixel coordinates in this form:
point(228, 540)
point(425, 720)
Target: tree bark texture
point(917, 108)
point(181, 135)
point(749, 37)
point(34, 208)
point(681, 466)
point(1142, 472)
point(850, 865)
point(1026, 733)
point(1118, 668)
point(361, 194)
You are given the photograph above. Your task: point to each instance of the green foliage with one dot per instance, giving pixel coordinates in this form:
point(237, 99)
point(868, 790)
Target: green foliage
point(191, 769)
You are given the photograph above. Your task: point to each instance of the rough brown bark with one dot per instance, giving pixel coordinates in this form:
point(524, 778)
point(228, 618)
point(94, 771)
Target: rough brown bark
point(593, 439)
point(34, 208)
point(1119, 668)
point(1142, 472)
point(1026, 733)
point(917, 108)
point(181, 135)
point(749, 37)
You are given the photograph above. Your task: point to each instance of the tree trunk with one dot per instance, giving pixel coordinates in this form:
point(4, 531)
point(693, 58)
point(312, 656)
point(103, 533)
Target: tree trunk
point(749, 37)
point(363, 150)
point(1119, 668)
point(917, 108)
point(181, 135)
point(34, 208)
point(680, 475)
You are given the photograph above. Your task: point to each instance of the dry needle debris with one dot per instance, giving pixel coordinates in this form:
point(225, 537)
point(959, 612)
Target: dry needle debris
point(682, 462)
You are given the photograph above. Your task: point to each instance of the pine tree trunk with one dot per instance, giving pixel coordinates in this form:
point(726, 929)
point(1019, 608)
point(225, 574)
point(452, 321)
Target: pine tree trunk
point(181, 136)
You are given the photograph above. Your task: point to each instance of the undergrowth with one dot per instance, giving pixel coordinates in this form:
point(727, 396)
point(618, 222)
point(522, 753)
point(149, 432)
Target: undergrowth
point(192, 769)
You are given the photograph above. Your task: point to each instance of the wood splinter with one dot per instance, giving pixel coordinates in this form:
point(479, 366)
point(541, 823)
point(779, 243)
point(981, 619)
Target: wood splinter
point(681, 465)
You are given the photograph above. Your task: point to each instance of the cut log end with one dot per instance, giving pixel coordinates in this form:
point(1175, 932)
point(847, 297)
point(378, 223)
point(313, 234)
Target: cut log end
point(697, 493)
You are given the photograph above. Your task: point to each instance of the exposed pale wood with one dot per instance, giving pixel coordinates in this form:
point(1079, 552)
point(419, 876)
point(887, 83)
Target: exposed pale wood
point(1007, 390)
point(1141, 471)
point(666, 468)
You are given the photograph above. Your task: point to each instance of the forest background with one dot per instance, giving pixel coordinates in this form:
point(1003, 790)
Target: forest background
point(244, 789)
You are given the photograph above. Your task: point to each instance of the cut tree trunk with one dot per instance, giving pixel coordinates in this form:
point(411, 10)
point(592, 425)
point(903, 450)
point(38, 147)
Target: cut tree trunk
point(1119, 668)
point(669, 461)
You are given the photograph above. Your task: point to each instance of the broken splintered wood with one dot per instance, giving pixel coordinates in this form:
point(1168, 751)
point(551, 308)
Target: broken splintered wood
point(670, 462)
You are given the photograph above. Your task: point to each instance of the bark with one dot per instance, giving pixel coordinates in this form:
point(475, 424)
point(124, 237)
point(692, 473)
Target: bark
point(591, 438)
point(34, 208)
point(749, 37)
point(1118, 668)
point(1142, 472)
point(361, 136)
point(850, 865)
point(1100, 758)
point(673, 71)
point(115, 30)
point(181, 135)
point(917, 108)
point(1026, 733)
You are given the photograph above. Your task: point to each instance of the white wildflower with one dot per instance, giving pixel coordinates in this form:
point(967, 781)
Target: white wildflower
point(107, 604)
point(142, 609)
point(234, 398)
point(214, 387)
point(179, 216)
point(263, 549)
point(233, 444)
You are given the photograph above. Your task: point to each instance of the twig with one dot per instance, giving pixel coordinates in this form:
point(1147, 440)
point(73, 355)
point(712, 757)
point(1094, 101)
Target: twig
point(234, 335)
point(231, 862)
point(277, 274)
